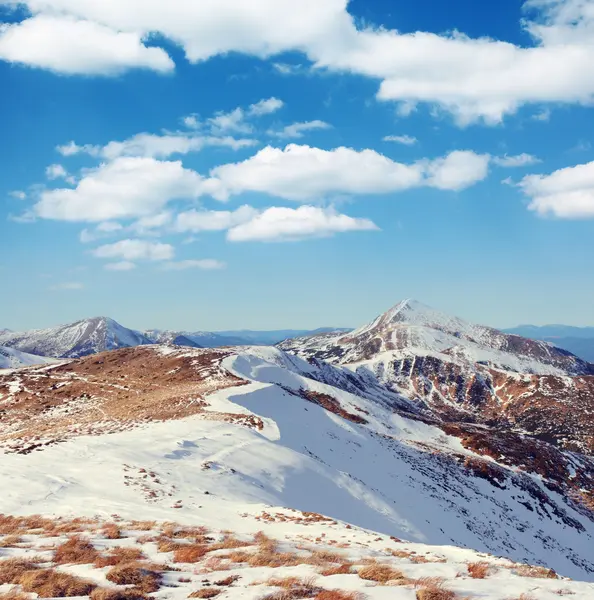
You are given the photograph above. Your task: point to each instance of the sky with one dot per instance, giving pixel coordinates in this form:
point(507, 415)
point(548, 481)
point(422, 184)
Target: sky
point(222, 164)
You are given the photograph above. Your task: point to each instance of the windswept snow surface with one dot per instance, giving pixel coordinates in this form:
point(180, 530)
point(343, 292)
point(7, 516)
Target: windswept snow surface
point(390, 474)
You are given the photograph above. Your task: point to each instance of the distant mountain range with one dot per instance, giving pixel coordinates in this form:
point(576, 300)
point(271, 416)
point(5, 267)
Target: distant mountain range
point(98, 334)
point(578, 340)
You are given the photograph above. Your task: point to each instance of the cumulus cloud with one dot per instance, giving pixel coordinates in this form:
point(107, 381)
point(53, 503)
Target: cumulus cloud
point(566, 193)
point(237, 120)
point(458, 170)
point(56, 172)
point(73, 46)
point(131, 250)
point(520, 160)
point(213, 220)
point(297, 130)
point(71, 149)
point(265, 107)
point(18, 194)
point(407, 140)
point(280, 224)
point(474, 79)
point(303, 172)
point(126, 187)
point(205, 264)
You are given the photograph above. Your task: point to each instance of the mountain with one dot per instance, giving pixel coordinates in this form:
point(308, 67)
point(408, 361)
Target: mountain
point(224, 437)
point(74, 340)
point(194, 339)
point(269, 338)
point(578, 340)
point(468, 373)
point(12, 359)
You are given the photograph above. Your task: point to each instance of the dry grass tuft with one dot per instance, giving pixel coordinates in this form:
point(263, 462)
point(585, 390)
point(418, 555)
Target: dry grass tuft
point(10, 540)
point(190, 553)
point(343, 569)
point(435, 591)
point(112, 532)
point(338, 595)
point(227, 581)
point(14, 595)
point(381, 573)
point(323, 557)
point(479, 570)
point(144, 577)
point(205, 593)
point(48, 583)
point(537, 572)
point(12, 569)
point(230, 542)
point(293, 588)
point(166, 544)
point(76, 550)
point(118, 556)
point(107, 594)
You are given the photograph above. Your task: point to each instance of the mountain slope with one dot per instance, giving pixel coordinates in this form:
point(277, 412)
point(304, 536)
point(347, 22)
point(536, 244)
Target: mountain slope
point(229, 431)
point(12, 359)
point(75, 339)
point(193, 339)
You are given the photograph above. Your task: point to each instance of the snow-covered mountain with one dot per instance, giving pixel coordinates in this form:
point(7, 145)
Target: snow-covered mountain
point(223, 435)
point(75, 339)
point(12, 359)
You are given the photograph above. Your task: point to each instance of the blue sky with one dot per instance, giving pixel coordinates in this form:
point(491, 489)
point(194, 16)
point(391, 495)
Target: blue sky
point(299, 168)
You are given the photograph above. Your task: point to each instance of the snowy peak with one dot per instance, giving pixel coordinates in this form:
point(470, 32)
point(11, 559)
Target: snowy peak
point(81, 338)
point(13, 359)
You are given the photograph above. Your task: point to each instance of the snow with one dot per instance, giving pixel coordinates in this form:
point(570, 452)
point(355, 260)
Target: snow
point(394, 475)
point(12, 359)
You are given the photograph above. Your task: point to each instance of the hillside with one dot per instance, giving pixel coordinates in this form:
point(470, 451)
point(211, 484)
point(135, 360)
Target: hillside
point(237, 431)
point(12, 359)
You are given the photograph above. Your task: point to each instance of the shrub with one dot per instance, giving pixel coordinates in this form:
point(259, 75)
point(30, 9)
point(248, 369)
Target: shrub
point(48, 583)
point(139, 575)
point(337, 595)
point(76, 550)
point(435, 593)
point(10, 540)
point(227, 581)
point(12, 569)
point(478, 570)
point(381, 573)
point(165, 544)
point(190, 553)
point(112, 532)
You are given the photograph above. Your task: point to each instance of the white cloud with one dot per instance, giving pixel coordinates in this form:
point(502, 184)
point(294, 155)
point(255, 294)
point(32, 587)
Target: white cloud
point(296, 130)
point(280, 224)
point(56, 172)
point(566, 193)
point(151, 223)
point(543, 115)
point(70, 286)
point(102, 230)
point(458, 170)
point(191, 121)
point(123, 265)
point(213, 220)
point(474, 79)
point(72, 46)
point(18, 194)
point(71, 149)
point(206, 264)
point(131, 250)
point(125, 187)
point(520, 160)
point(303, 172)
point(265, 107)
point(407, 140)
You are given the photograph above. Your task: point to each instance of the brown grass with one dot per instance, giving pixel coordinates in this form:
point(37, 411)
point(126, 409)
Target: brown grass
point(479, 570)
point(12, 569)
point(435, 592)
point(76, 550)
point(205, 593)
point(14, 595)
point(10, 540)
point(229, 542)
point(338, 595)
point(343, 569)
point(293, 588)
point(48, 583)
point(107, 594)
point(381, 573)
point(165, 544)
point(190, 553)
point(112, 532)
point(227, 581)
point(118, 556)
point(537, 572)
point(140, 575)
